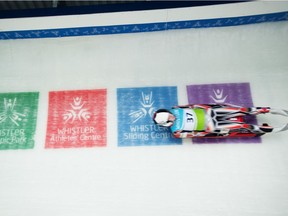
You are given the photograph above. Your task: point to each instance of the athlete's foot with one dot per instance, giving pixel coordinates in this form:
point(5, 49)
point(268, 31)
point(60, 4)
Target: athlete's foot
point(259, 110)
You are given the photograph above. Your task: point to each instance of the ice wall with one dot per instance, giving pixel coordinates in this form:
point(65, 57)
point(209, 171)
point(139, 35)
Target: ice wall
point(188, 179)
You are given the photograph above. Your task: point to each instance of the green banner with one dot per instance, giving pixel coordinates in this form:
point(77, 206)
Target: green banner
point(18, 116)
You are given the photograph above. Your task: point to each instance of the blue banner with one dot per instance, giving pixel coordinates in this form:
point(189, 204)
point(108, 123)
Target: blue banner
point(136, 107)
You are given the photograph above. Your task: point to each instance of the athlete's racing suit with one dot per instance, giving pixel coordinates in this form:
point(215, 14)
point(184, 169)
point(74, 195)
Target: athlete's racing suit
point(201, 120)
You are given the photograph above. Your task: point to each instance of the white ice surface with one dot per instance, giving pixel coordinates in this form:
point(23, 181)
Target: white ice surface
point(185, 180)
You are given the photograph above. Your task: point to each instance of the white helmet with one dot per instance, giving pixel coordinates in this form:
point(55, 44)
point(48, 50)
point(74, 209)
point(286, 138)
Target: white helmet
point(161, 117)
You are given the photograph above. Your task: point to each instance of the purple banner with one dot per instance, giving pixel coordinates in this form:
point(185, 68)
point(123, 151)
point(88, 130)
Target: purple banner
point(232, 93)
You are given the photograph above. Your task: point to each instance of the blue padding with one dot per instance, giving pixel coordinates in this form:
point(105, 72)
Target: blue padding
point(149, 27)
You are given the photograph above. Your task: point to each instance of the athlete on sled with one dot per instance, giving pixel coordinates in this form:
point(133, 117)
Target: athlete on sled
point(214, 120)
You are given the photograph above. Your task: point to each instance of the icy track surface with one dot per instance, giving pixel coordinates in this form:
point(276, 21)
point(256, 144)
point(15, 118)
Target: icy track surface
point(189, 179)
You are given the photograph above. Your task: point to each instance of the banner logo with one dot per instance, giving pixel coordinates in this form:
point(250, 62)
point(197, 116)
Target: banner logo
point(10, 112)
point(77, 111)
point(218, 96)
point(145, 108)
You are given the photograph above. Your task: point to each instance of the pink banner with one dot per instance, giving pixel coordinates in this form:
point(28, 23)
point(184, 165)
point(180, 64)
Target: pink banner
point(76, 119)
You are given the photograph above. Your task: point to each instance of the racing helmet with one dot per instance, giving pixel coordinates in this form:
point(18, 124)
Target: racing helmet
point(161, 117)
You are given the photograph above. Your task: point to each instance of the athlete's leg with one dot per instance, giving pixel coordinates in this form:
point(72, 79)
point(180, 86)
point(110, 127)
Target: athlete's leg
point(224, 117)
point(222, 121)
point(258, 110)
point(230, 112)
